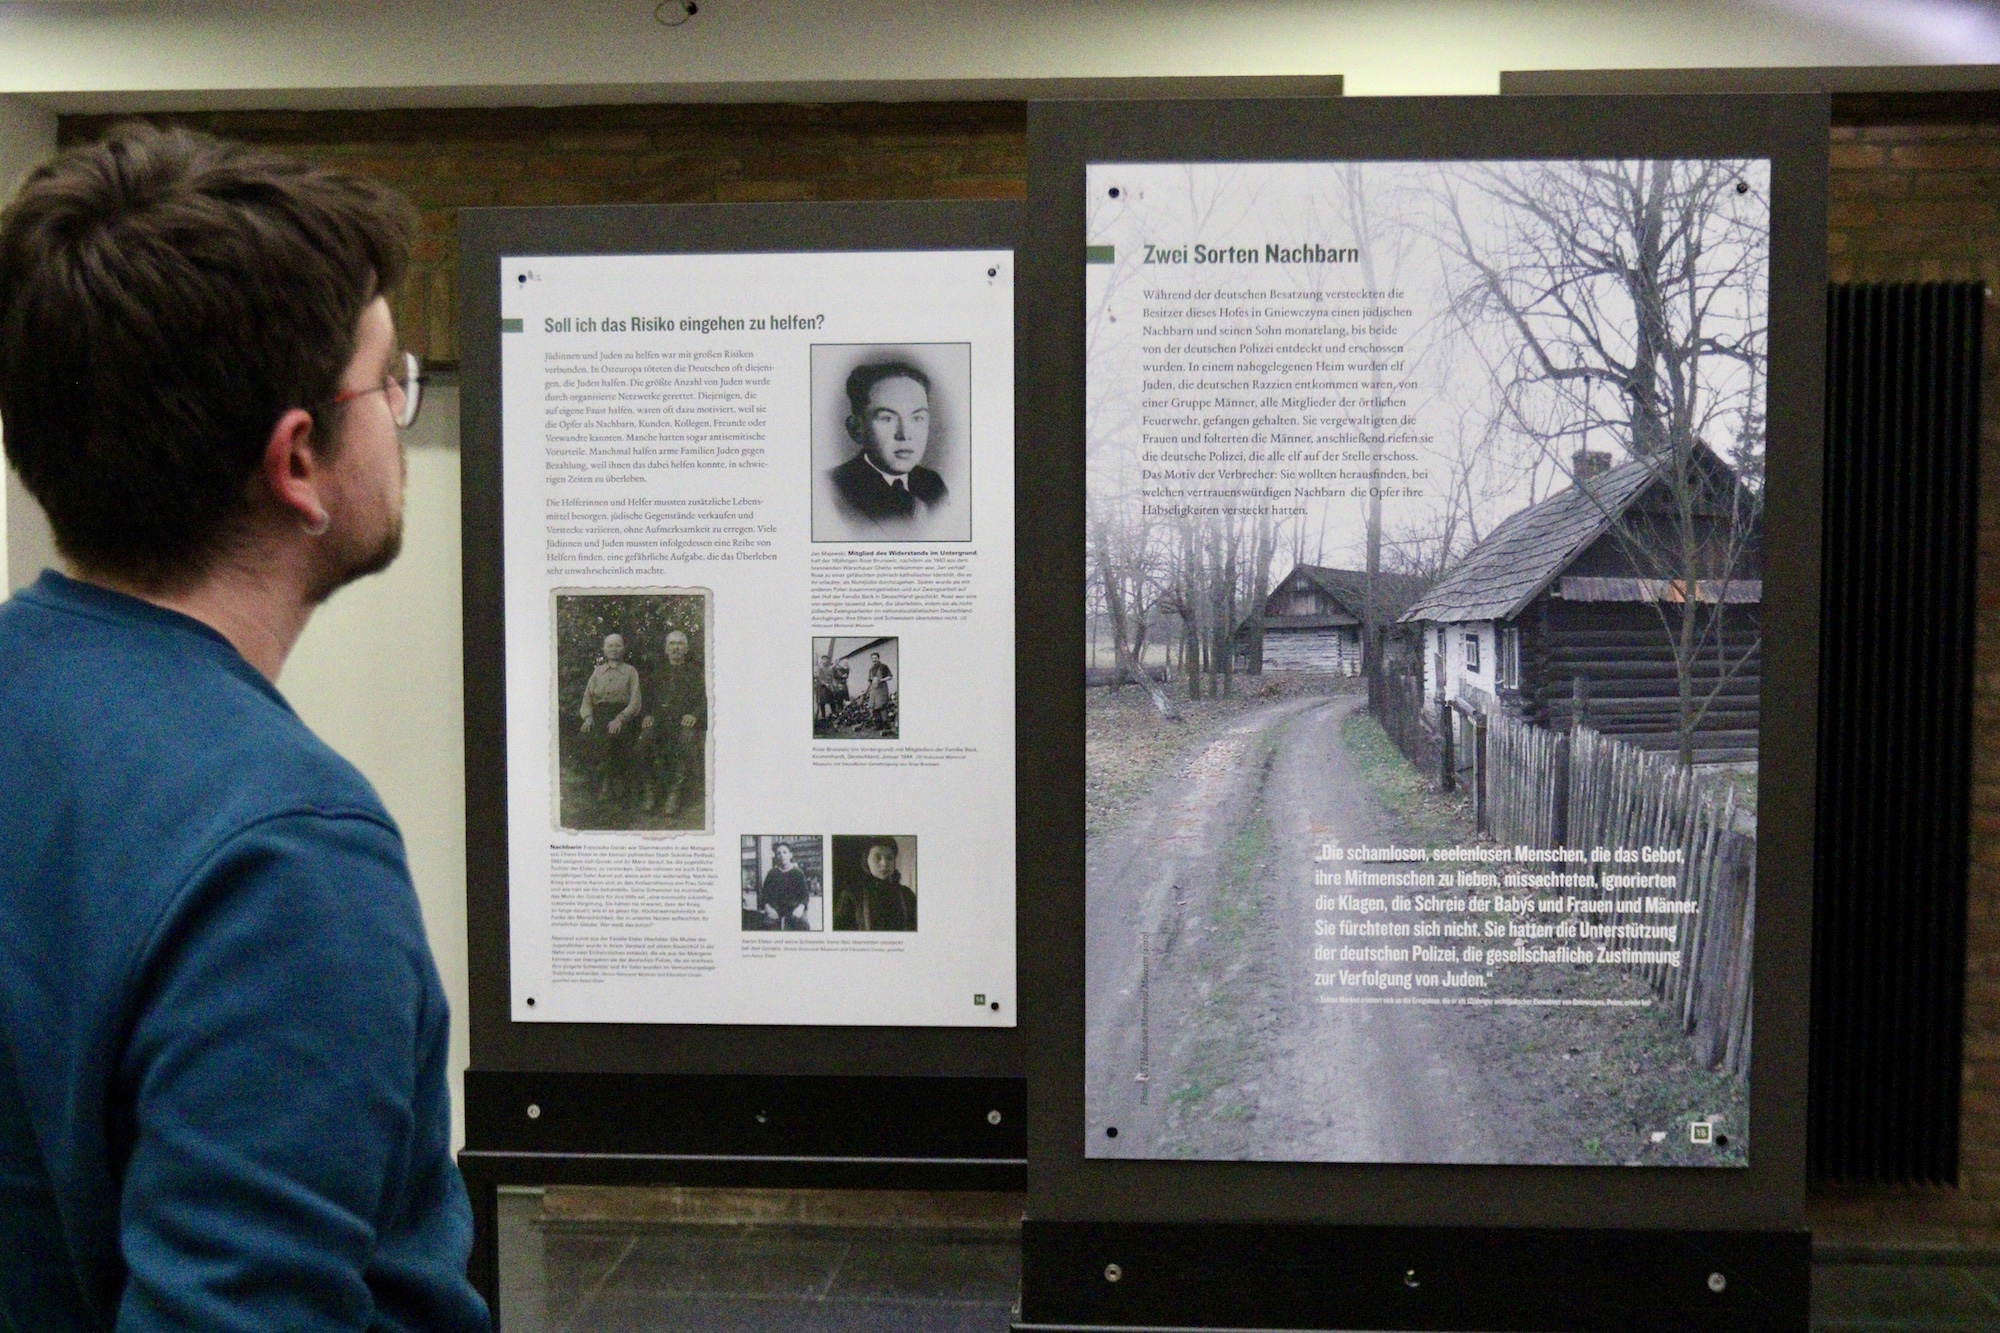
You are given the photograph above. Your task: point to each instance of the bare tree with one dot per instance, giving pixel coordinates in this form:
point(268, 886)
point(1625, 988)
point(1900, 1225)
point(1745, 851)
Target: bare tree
point(1476, 471)
point(1125, 565)
point(1224, 551)
point(1265, 548)
point(1360, 222)
point(1628, 299)
point(1183, 598)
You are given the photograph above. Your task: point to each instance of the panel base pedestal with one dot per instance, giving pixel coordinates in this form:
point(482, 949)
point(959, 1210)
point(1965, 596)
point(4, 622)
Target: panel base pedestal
point(1135, 1275)
point(731, 1131)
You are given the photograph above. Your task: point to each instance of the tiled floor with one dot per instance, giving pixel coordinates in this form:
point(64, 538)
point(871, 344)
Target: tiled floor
point(573, 1277)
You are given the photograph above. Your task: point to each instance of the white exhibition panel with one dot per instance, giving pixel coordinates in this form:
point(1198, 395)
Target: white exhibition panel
point(671, 427)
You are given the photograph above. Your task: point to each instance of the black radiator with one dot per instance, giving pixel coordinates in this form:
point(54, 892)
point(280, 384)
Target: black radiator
point(1901, 527)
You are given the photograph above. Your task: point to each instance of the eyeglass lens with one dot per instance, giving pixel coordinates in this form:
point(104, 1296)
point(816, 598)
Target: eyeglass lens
point(412, 386)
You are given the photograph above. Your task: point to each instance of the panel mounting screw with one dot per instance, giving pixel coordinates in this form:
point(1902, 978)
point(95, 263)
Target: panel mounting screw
point(1716, 1282)
point(1410, 1278)
point(992, 1117)
point(1112, 1272)
point(534, 1111)
point(763, 1117)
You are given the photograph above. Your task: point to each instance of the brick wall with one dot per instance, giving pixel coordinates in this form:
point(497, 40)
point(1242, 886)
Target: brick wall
point(447, 160)
point(1915, 196)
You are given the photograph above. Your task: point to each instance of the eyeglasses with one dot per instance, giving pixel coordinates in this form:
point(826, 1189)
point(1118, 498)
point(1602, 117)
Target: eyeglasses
point(405, 391)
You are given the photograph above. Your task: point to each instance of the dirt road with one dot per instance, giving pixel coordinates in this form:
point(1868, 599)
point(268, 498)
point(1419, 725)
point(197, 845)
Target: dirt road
point(1205, 1033)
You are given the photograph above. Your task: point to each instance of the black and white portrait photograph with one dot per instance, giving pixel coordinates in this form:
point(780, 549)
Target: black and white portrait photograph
point(856, 685)
point(633, 699)
point(784, 881)
point(891, 442)
point(874, 882)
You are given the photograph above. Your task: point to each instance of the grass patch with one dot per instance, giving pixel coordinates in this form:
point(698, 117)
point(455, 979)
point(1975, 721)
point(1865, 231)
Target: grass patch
point(1742, 778)
point(1209, 1056)
point(1238, 903)
point(1609, 1079)
point(1431, 818)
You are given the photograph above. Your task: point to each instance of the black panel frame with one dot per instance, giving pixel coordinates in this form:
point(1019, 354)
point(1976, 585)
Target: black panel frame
point(1469, 1279)
point(1769, 1194)
point(716, 1051)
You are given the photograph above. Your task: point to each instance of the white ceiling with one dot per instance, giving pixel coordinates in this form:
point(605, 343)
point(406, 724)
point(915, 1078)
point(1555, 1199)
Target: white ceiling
point(83, 55)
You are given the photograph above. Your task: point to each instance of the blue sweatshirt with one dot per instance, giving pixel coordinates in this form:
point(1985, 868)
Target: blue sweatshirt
point(223, 1097)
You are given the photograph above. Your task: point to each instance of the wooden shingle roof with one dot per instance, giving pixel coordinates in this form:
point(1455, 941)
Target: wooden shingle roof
point(1499, 577)
point(1393, 592)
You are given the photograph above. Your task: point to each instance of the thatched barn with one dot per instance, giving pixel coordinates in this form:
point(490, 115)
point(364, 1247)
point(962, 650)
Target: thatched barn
point(1577, 602)
point(1313, 618)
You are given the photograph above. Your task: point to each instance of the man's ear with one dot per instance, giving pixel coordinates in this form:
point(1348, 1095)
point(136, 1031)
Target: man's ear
point(856, 431)
point(293, 469)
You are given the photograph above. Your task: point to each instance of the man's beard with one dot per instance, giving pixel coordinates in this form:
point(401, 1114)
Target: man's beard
point(347, 561)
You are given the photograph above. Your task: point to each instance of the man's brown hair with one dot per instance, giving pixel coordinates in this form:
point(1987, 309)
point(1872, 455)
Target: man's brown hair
point(165, 297)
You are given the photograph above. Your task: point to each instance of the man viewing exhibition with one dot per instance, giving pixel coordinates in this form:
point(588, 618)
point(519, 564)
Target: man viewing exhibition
point(223, 1098)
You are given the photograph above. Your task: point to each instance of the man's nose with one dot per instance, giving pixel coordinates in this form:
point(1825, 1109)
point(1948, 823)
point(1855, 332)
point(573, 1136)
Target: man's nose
point(899, 428)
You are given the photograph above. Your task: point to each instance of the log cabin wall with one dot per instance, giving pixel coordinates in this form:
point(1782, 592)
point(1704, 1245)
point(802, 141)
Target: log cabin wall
point(1624, 652)
point(1915, 197)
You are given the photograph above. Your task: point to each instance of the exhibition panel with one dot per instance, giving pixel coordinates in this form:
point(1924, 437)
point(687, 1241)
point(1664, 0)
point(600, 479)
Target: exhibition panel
point(739, 672)
point(697, 507)
point(1436, 378)
point(1443, 880)
point(740, 535)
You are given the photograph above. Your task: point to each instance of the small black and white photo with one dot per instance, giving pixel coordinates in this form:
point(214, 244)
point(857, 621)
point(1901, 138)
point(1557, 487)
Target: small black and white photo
point(632, 707)
point(857, 688)
point(784, 881)
point(892, 442)
point(874, 882)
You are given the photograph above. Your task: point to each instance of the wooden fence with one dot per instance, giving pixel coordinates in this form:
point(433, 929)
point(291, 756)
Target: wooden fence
point(1583, 790)
point(1397, 701)
point(1622, 796)
point(1526, 782)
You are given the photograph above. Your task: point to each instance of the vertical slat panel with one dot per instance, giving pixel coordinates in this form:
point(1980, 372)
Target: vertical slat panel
point(1902, 440)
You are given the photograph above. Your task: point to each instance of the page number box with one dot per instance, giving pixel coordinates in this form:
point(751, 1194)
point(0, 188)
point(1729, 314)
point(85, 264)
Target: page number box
point(979, 1000)
point(1701, 1131)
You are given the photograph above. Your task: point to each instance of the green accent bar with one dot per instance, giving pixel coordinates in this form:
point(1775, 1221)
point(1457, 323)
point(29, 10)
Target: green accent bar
point(1100, 254)
point(510, 326)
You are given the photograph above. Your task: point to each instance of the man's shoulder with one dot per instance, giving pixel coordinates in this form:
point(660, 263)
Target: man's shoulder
point(121, 719)
point(855, 477)
point(862, 487)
